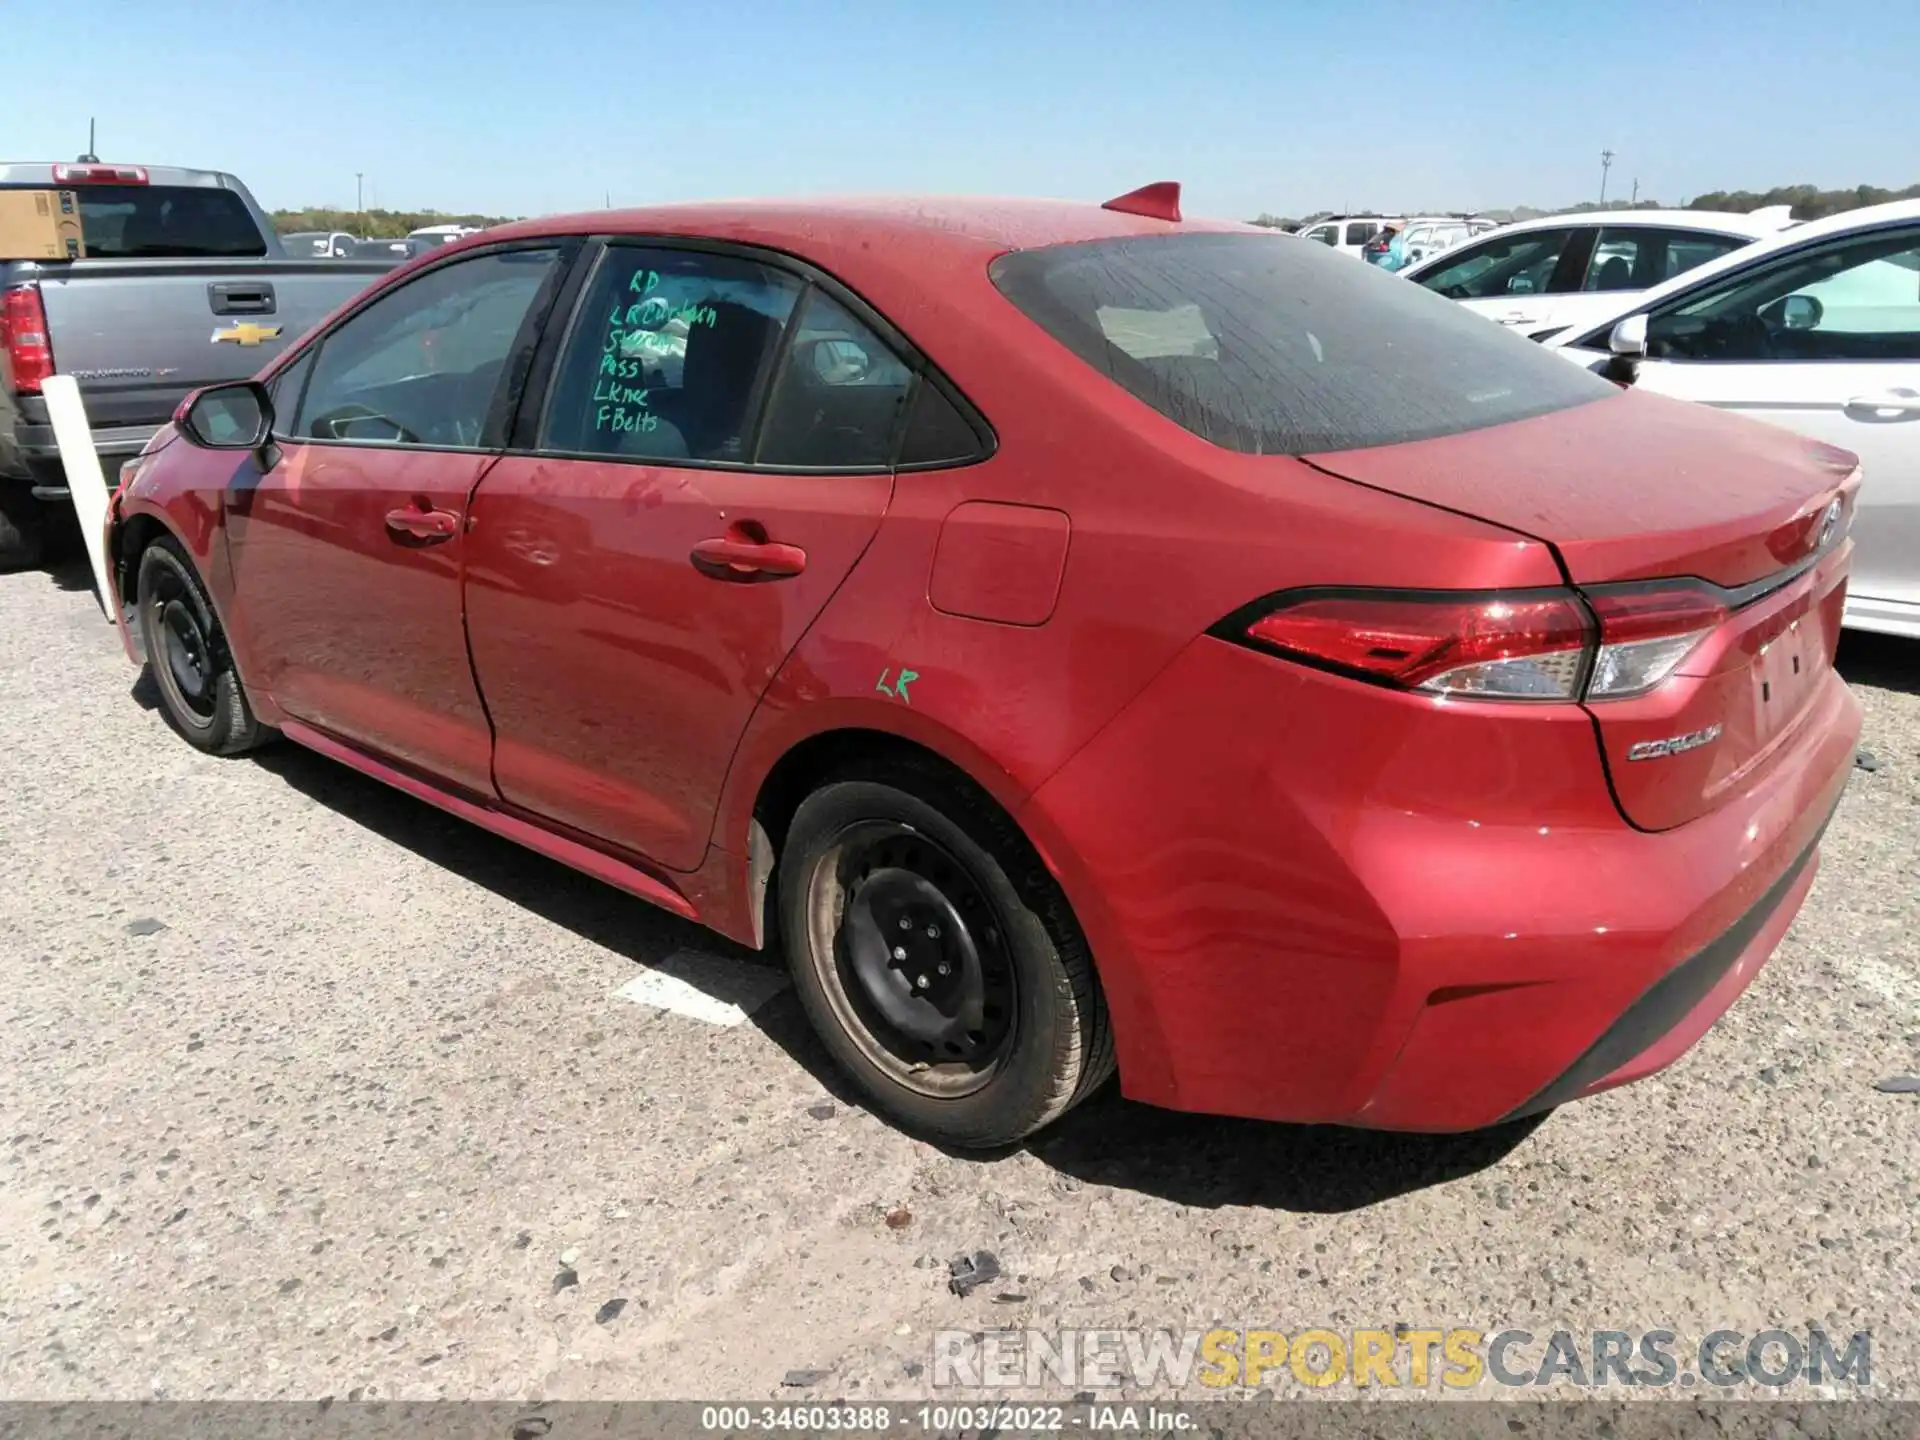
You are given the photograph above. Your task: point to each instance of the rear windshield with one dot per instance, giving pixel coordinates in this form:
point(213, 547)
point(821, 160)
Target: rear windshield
point(145, 222)
point(1273, 345)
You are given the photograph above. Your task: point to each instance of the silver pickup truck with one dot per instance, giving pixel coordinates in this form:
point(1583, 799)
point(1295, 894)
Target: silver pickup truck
point(184, 284)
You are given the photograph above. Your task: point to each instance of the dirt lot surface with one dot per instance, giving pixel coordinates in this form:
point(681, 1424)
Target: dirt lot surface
point(310, 1090)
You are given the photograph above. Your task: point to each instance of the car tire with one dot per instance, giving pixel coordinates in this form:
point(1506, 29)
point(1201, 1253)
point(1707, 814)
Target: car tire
point(23, 528)
point(893, 871)
point(187, 654)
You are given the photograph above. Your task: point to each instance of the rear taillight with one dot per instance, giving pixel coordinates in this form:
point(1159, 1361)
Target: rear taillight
point(23, 334)
point(1528, 645)
point(1646, 632)
point(1606, 644)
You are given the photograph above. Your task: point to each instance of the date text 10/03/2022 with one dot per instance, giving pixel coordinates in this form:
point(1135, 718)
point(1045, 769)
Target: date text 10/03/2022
point(931, 1419)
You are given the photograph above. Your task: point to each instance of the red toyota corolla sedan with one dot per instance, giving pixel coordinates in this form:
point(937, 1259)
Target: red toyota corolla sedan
point(1076, 635)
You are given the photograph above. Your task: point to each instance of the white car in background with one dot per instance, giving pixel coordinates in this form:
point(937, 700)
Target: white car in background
point(1348, 234)
point(1540, 276)
point(1816, 330)
point(1427, 236)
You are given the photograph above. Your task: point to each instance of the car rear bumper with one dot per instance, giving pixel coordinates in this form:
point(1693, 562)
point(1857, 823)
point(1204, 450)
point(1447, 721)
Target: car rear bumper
point(38, 458)
point(1315, 900)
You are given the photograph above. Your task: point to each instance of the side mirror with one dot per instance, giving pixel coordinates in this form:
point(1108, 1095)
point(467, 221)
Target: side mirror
point(1629, 338)
point(1801, 312)
point(841, 362)
point(238, 416)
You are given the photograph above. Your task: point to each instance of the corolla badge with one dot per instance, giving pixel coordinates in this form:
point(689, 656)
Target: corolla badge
point(1673, 744)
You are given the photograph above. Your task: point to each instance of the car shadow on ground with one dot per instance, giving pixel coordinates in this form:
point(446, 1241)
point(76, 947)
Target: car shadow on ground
point(1188, 1159)
point(1209, 1161)
point(73, 573)
point(1886, 662)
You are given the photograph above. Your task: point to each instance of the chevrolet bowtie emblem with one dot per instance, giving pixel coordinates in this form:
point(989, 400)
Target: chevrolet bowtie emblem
point(247, 333)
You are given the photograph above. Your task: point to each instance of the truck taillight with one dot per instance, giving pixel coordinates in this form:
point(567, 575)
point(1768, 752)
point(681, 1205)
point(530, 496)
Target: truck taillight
point(99, 175)
point(23, 335)
point(1607, 643)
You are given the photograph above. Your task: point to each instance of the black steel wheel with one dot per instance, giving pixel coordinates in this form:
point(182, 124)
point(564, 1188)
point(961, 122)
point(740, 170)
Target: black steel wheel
point(915, 960)
point(937, 959)
point(187, 654)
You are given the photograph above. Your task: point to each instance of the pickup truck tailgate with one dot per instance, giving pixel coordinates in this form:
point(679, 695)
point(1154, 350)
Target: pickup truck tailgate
point(136, 334)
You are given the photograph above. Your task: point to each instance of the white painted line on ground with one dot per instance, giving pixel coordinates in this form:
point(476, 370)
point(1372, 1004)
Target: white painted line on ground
point(704, 987)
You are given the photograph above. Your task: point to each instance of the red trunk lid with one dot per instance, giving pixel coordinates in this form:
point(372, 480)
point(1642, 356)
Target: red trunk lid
point(1636, 487)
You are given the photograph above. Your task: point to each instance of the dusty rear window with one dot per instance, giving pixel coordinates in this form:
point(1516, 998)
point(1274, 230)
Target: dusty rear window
point(1274, 345)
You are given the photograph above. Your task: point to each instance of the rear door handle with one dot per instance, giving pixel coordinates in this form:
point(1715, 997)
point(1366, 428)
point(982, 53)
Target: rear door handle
point(734, 557)
point(428, 526)
point(1885, 405)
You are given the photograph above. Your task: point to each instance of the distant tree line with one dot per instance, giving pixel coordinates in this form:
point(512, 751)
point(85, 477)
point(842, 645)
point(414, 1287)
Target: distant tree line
point(1809, 202)
point(373, 224)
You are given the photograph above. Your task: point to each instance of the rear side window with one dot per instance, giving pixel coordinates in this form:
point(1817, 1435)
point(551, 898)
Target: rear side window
point(151, 222)
point(1264, 346)
point(1638, 258)
point(1686, 249)
point(838, 400)
point(1361, 231)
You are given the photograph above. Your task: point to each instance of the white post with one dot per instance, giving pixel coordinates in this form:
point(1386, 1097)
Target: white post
point(85, 479)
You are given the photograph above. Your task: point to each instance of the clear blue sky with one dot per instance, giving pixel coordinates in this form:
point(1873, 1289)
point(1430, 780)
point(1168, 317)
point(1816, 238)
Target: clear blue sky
point(1277, 105)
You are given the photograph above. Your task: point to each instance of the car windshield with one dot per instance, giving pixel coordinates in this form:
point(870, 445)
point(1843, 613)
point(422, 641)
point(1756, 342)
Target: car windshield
point(142, 222)
point(1267, 346)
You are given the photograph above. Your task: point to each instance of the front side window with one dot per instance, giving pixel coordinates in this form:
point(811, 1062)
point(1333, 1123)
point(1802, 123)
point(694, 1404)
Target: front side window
point(1325, 234)
point(1854, 299)
point(670, 357)
point(421, 364)
point(1506, 265)
point(1268, 347)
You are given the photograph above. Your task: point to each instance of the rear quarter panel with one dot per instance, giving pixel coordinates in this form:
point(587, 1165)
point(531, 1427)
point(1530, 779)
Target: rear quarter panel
point(1168, 534)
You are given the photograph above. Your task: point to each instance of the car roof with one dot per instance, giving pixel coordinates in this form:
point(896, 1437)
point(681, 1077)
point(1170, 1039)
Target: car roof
point(1722, 222)
point(1867, 217)
point(943, 226)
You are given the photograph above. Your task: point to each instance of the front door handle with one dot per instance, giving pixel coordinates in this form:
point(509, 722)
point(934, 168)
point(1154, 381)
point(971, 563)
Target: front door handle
point(1885, 405)
point(429, 527)
point(736, 556)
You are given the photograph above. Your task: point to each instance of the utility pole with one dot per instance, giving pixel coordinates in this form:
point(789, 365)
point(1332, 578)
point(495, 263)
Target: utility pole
point(1636, 193)
point(1606, 164)
point(92, 156)
point(360, 199)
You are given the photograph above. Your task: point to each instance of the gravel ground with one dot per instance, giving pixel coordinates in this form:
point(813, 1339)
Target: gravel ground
point(312, 1091)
